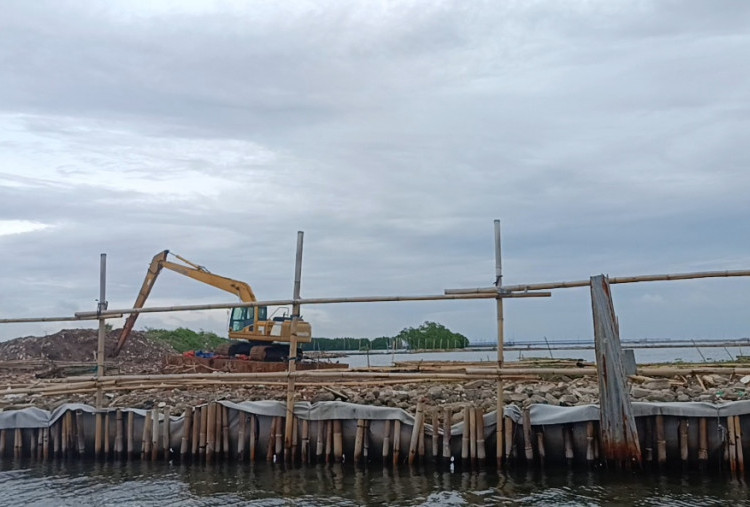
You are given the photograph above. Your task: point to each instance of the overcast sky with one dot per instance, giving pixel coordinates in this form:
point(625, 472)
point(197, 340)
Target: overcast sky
point(608, 137)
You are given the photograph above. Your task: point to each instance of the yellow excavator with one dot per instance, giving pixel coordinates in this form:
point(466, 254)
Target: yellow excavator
point(254, 331)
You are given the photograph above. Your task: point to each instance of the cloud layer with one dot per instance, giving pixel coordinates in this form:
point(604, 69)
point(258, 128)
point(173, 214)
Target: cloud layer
point(606, 137)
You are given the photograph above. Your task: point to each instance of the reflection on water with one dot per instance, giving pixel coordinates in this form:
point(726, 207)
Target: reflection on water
point(145, 483)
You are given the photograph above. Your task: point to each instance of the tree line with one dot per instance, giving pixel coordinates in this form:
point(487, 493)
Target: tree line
point(428, 336)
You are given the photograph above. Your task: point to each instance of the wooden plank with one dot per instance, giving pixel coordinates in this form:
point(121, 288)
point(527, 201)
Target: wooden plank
point(618, 432)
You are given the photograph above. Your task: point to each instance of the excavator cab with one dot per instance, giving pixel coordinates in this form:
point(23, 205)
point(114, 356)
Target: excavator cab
point(244, 317)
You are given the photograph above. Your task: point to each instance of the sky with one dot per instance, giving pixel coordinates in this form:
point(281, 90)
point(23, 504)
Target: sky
point(608, 137)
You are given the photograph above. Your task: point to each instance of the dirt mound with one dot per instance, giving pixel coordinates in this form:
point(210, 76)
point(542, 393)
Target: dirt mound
point(80, 345)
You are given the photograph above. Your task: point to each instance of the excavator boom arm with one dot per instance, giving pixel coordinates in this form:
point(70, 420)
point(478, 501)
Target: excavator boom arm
point(159, 262)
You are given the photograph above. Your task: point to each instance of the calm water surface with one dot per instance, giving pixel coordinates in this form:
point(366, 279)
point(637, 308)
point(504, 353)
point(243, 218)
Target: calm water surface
point(136, 483)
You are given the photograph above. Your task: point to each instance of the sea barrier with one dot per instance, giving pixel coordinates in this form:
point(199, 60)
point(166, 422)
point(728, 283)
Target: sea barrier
point(671, 435)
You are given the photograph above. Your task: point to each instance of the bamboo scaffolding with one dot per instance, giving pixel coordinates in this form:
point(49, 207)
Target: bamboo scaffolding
point(420, 439)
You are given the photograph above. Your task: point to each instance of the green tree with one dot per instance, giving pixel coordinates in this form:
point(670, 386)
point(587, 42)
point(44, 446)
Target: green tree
point(432, 335)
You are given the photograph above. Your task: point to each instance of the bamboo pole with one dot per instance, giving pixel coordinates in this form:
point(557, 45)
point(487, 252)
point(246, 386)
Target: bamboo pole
point(292, 365)
point(279, 438)
point(203, 435)
point(146, 438)
point(118, 433)
point(568, 441)
point(738, 439)
point(473, 434)
point(358, 442)
point(253, 436)
point(420, 442)
point(271, 440)
point(218, 428)
point(435, 416)
point(305, 450)
point(590, 442)
point(241, 435)
point(210, 431)
point(683, 431)
point(661, 444)
point(33, 443)
point(45, 443)
point(196, 431)
point(414, 442)
point(2, 442)
point(366, 442)
point(481, 451)
point(396, 441)
point(528, 448)
point(329, 440)
point(447, 433)
point(732, 444)
point(65, 430)
point(55, 439)
point(155, 434)
point(225, 430)
point(540, 447)
point(338, 443)
point(703, 442)
point(187, 429)
point(18, 443)
point(386, 451)
point(465, 435)
point(167, 434)
point(509, 441)
point(106, 434)
point(320, 441)
point(295, 439)
point(130, 432)
point(648, 455)
point(80, 433)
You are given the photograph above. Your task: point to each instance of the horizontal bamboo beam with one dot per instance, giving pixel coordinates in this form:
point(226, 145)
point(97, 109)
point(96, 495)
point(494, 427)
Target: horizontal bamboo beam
point(312, 301)
point(88, 316)
point(586, 283)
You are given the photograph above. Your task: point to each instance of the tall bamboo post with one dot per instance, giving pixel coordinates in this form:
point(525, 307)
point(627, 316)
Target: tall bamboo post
point(738, 439)
point(130, 434)
point(396, 441)
point(167, 440)
point(466, 435)
point(100, 307)
point(329, 440)
point(702, 442)
point(80, 433)
point(154, 434)
point(288, 437)
point(118, 434)
point(45, 443)
point(187, 429)
point(271, 439)
point(241, 435)
point(386, 440)
point(358, 441)
point(435, 413)
point(2, 442)
point(225, 430)
point(106, 434)
point(338, 441)
point(447, 433)
point(481, 451)
point(500, 342)
point(210, 430)
point(253, 436)
point(661, 444)
point(414, 442)
point(146, 437)
point(305, 451)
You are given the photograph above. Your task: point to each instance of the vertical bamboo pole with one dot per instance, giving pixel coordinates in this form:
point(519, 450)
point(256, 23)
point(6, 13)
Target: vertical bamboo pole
point(683, 431)
point(648, 451)
point(358, 441)
point(203, 435)
point(661, 444)
point(279, 438)
point(295, 439)
point(329, 440)
point(210, 431)
point(447, 433)
point(130, 432)
point(100, 307)
point(18, 443)
point(305, 451)
point(253, 436)
point(396, 441)
point(732, 444)
point(146, 437)
point(45, 443)
point(703, 443)
point(80, 433)
point(167, 440)
point(195, 444)
point(509, 441)
point(540, 447)
point(106, 434)
point(435, 416)
point(481, 450)
point(218, 440)
point(568, 440)
point(738, 439)
point(66, 431)
point(271, 440)
point(473, 434)
point(33, 442)
point(187, 430)
point(225, 430)
point(55, 439)
point(288, 437)
point(155, 441)
point(500, 341)
point(319, 441)
point(466, 435)
point(2, 443)
point(241, 435)
point(366, 442)
point(528, 446)
point(414, 442)
point(98, 431)
point(118, 434)
point(338, 442)
point(590, 442)
point(420, 443)
point(386, 451)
